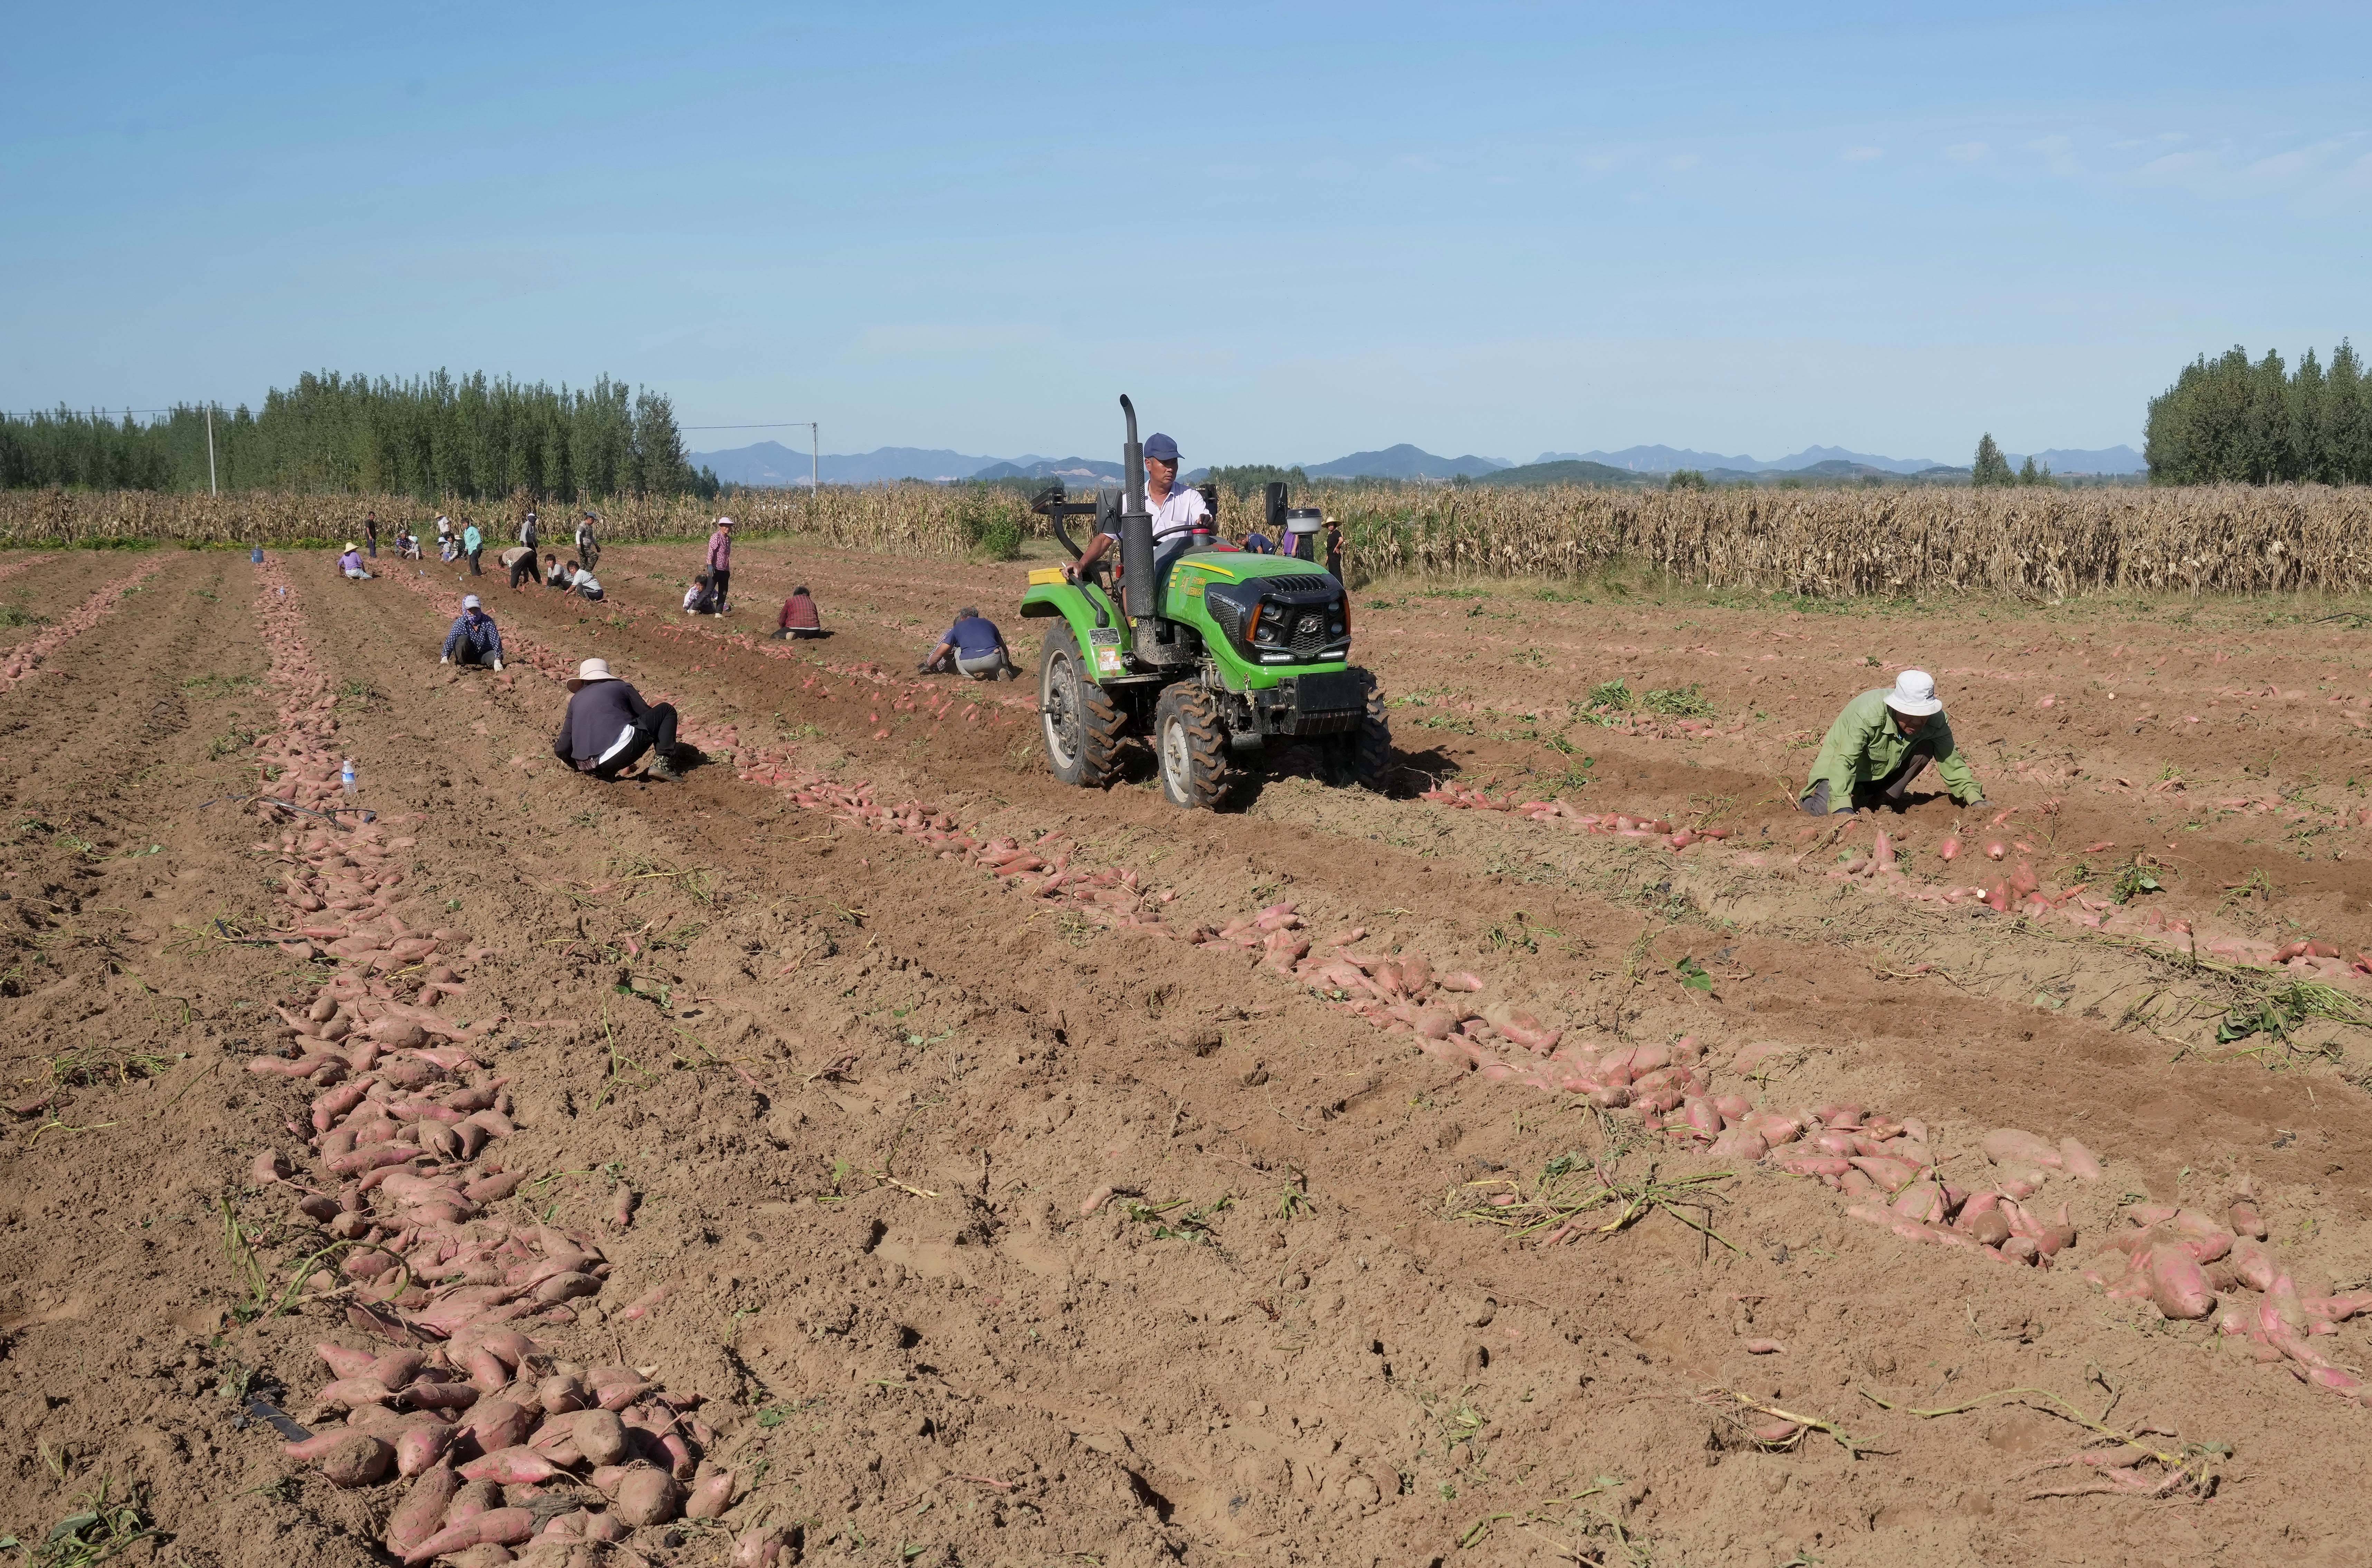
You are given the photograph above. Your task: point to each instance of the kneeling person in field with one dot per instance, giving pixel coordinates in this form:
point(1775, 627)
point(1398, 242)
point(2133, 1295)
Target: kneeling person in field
point(1882, 742)
point(474, 639)
point(973, 646)
point(608, 727)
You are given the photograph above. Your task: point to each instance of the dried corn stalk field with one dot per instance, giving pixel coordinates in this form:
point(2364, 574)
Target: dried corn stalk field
point(2224, 539)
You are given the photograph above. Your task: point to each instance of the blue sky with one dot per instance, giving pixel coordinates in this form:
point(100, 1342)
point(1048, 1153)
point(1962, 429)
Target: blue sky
point(1288, 230)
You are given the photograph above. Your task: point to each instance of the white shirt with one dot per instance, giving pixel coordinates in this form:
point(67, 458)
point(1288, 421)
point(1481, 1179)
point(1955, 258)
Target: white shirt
point(1176, 516)
point(584, 579)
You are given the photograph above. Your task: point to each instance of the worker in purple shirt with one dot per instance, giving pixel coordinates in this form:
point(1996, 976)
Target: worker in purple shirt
point(720, 561)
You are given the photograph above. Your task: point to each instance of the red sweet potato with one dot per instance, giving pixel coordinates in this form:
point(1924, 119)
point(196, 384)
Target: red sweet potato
point(421, 1512)
point(422, 1446)
point(712, 1493)
point(496, 1527)
point(2178, 1285)
point(520, 1466)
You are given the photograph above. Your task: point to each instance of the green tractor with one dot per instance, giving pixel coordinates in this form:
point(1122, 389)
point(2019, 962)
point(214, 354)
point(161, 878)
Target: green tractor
point(1209, 656)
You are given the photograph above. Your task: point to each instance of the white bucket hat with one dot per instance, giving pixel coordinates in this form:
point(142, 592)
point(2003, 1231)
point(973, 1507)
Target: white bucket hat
point(470, 601)
point(592, 670)
point(1914, 694)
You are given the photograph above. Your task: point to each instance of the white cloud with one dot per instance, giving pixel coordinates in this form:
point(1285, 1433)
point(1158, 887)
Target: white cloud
point(1862, 155)
point(1967, 151)
point(2058, 153)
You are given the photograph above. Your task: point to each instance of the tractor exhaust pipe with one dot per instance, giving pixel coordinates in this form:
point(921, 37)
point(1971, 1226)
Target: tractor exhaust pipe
point(1135, 536)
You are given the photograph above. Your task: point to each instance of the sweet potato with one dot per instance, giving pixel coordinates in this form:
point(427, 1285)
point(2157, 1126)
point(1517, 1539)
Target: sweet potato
point(600, 1436)
point(346, 1362)
point(712, 1492)
point(2178, 1285)
point(421, 1448)
point(421, 1512)
point(2078, 1161)
point(345, 1393)
point(646, 1495)
point(1950, 850)
point(758, 1547)
point(496, 1527)
point(519, 1466)
point(496, 1425)
point(2008, 1145)
point(559, 1394)
point(1460, 979)
point(2247, 1221)
point(345, 1458)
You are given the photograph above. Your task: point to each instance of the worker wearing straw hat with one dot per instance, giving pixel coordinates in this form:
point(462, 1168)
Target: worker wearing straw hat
point(608, 727)
point(351, 562)
point(1884, 739)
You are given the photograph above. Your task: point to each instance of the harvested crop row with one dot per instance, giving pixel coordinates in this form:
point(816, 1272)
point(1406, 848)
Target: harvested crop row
point(26, 657)
point(501, 1441)
point(27, 564)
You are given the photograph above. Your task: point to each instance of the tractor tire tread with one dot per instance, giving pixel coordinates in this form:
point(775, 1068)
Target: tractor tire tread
point(1213, 776)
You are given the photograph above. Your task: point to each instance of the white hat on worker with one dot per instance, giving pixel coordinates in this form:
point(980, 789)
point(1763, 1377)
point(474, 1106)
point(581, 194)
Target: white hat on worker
point(724, 522)
point(469, 602)
point(592, 670)
point(1914, 694)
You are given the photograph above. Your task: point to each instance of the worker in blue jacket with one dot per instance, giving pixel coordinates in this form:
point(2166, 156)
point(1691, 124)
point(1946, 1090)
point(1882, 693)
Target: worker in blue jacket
point(474, 638)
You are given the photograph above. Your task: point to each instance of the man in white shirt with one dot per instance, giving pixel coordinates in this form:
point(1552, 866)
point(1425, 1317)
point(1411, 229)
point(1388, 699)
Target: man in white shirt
point(1176, 509)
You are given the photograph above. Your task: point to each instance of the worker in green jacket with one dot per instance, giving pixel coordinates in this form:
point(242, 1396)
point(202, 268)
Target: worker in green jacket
point(1882, 742)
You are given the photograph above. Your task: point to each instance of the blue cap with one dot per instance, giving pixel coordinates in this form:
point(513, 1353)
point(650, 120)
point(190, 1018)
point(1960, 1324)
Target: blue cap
point(1159, 446)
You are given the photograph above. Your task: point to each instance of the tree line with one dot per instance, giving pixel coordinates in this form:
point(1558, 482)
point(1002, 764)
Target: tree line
point(2229, 420)
point(472, 437)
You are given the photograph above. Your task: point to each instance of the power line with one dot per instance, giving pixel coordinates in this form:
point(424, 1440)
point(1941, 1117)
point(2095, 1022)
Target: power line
point(778, 424)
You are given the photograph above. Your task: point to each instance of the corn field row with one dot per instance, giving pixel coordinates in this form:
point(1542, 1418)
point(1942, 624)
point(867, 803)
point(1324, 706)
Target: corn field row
point(2033, 543)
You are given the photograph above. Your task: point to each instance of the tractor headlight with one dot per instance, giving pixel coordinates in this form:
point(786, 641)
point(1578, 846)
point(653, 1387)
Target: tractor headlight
point(1268, 627)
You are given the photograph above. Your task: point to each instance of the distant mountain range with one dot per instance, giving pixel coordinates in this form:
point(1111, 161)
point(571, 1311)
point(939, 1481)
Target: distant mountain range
point(1665, 459)
point(1404, 461)
point(768, 464)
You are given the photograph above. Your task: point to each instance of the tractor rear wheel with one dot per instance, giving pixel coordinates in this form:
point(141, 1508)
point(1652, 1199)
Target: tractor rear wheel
point(1192, 746)
point(1081, 725)
point(1364, 755)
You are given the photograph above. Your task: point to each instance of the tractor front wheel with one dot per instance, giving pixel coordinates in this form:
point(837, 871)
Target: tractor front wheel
point(1081, 725)
point(1192, 745)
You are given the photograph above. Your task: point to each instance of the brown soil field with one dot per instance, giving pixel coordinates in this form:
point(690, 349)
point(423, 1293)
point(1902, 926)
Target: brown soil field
point(951, 1217)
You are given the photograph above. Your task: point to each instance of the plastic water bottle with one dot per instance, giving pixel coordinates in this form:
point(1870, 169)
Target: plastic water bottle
point(347, 778)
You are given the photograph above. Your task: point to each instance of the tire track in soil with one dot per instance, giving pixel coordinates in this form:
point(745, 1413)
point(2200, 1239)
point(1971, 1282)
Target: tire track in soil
point(869, 900)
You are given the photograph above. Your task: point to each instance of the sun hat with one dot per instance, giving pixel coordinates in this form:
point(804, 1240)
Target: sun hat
point(1914, 694)
point(724, 522)
point(1159, 446)
point(469, 602)
point(351, 545)
point(591, 670)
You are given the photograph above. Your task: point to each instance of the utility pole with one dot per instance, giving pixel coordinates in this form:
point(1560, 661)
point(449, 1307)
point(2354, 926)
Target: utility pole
point(211, 488)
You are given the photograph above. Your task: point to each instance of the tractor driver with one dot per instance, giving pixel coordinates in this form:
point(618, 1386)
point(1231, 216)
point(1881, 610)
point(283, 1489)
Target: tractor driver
point(1176, 509)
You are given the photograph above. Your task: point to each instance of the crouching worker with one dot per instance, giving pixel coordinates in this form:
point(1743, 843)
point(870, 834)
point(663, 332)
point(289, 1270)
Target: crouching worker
point(800, 619)
point(584, 584)
point(1881, 742)
point(474, 638)
point(973, 646)
point(609, 727)
point(350, 564)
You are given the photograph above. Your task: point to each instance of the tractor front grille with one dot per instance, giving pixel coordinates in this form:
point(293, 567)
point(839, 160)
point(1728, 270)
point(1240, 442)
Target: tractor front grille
point(1299, 583)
